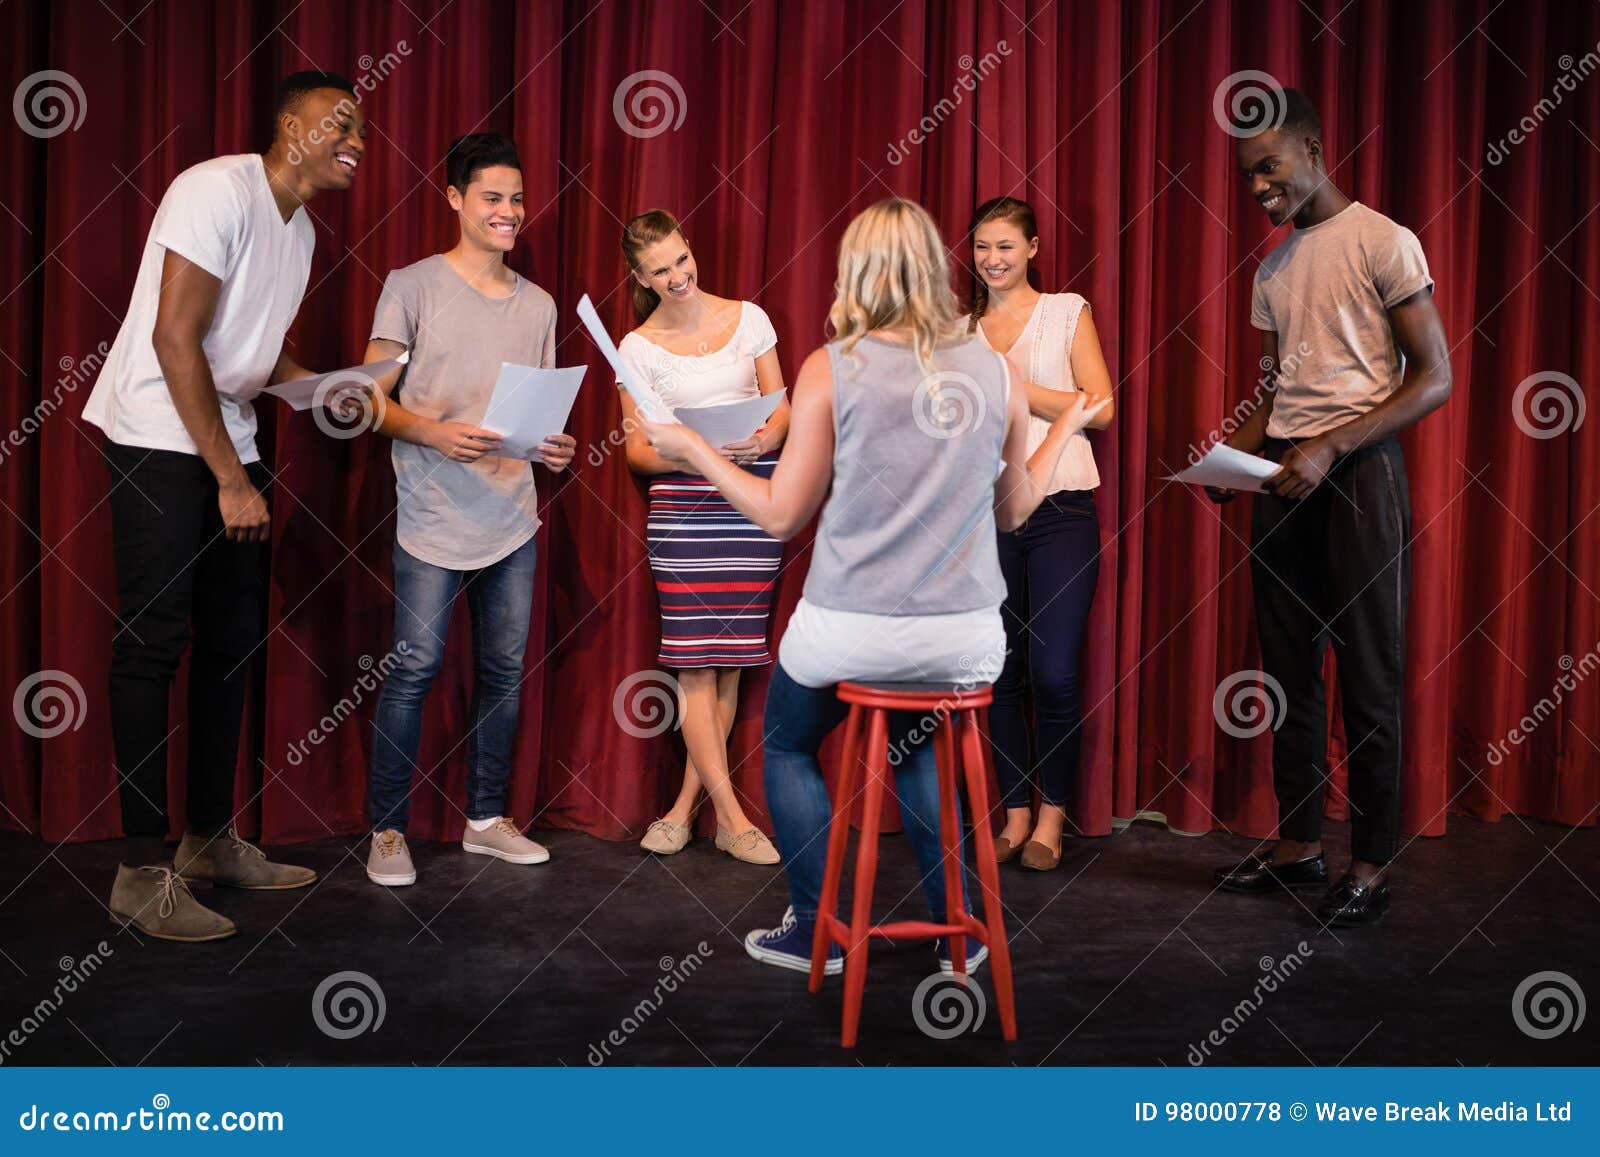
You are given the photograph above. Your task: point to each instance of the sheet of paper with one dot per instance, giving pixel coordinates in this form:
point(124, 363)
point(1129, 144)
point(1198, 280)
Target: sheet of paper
point(1228, 468)
point(530, 404)
point(643, 397)
point(318, 389)
point(733, 422)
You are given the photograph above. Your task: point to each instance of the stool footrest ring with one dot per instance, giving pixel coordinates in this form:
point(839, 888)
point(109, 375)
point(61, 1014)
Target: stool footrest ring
point(839, 932)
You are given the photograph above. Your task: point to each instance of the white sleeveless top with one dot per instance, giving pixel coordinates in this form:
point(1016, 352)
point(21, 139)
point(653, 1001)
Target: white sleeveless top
point(1043, 351)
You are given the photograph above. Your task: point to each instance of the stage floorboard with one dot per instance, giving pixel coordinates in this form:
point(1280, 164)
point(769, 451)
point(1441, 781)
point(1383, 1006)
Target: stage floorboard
point(1123, 956)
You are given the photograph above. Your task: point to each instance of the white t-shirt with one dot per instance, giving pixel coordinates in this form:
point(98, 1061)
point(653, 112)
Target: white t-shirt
point(220, 214)
point(1326, 291)
point(714, 379)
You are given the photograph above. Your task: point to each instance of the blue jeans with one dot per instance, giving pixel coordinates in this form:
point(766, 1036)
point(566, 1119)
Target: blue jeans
point(500, 597)
point(1051, 564)
point(797, 720)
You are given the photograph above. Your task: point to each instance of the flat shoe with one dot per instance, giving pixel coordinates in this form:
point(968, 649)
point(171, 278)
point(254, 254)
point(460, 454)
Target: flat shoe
point(665, 838)
point(1352, 903)
point(752, 847)
point(1004, 850)
point(1040, 858)
point(1257, 873)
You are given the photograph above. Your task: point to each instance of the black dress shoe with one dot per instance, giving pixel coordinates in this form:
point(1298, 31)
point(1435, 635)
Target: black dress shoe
point(1259, 874)
point(1352, 903)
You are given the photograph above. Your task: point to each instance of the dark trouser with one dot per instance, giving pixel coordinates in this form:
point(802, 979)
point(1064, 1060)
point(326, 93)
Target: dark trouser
point(175, 568)
point(1335, 567)
point(1051, 564)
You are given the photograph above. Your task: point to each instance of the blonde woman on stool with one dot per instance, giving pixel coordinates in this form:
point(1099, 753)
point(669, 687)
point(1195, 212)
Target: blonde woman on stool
point(905, 582)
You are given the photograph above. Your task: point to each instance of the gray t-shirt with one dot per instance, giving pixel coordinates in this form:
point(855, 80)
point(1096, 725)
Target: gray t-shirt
point(461, 515)
point(1326, 292)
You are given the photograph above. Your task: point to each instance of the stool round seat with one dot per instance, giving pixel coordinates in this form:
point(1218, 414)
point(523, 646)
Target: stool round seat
point(917, 696)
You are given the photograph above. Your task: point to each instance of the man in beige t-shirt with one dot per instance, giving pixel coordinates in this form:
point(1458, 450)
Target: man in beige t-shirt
point(466, 512)
point(1355, 353)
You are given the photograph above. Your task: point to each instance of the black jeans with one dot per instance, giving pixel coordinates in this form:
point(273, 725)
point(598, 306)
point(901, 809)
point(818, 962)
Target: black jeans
point(1052, 565)
point(1335, 567)
point(174, 567)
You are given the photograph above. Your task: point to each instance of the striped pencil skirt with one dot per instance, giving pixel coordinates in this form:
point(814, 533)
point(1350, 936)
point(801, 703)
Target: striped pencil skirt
point(714, 571)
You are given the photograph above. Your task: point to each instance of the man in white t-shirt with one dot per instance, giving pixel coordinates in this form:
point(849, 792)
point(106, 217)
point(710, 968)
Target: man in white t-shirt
point(1355, 352)
point(223, 272)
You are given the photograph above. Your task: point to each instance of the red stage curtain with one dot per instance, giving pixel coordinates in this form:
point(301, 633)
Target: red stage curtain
point(794, 116)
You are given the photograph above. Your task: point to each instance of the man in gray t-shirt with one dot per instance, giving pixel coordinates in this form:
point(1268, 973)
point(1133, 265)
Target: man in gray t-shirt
point(465, 515)
point(1355, 352)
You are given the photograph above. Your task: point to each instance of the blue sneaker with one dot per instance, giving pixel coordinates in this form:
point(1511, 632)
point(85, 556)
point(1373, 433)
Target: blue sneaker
point(789, 946)
point(976, 955)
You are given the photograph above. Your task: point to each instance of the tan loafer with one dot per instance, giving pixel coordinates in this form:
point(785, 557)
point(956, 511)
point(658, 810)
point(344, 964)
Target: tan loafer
point(750, 846)
point(665, 838)
point(231, 862)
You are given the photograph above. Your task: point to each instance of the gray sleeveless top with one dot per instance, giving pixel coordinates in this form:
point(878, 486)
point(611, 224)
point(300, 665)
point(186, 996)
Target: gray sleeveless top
point(908, 527)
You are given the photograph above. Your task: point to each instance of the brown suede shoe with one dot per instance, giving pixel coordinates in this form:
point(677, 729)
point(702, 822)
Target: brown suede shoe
point(1040, 858)
point(1004, 850)
point(157, 902)
point(227, 860)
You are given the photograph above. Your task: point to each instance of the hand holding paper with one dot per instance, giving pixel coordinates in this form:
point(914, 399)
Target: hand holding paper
point(331, 388)
point(530, 406)
point(733, 422)
point(1226, 468)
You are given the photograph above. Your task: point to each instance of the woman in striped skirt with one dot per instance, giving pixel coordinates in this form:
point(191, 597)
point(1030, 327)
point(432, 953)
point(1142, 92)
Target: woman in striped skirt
point(714, 568)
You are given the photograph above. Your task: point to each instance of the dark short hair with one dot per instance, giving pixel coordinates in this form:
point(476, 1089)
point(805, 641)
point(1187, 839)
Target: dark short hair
point(469, 155)
point(294, 88)
point(1285, 108)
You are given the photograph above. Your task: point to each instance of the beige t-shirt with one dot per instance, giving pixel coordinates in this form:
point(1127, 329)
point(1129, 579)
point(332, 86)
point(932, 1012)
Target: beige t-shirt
point(1326, 291)
point(461, 515)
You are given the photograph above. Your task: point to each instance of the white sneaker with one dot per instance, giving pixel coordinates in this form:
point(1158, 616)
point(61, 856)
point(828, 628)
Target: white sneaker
point(504, 841)
point(389, 861)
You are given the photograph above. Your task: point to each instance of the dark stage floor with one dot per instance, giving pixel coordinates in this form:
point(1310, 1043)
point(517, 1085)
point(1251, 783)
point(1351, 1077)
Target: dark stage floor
point(1123, 956)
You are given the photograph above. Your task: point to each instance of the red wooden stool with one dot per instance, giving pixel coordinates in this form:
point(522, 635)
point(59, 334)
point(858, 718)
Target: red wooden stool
point(870, 707)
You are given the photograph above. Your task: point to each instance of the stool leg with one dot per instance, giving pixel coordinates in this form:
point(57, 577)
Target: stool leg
point(838, 838)
point(989, 874)
point(950, 839)
point(855, 953)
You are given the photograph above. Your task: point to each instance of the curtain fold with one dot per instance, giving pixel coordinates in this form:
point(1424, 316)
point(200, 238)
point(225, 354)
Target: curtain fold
point(765, 126)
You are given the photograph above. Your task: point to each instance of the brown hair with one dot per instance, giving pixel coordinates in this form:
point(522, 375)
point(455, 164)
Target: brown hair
point(1018, 213)
point(639, 234)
